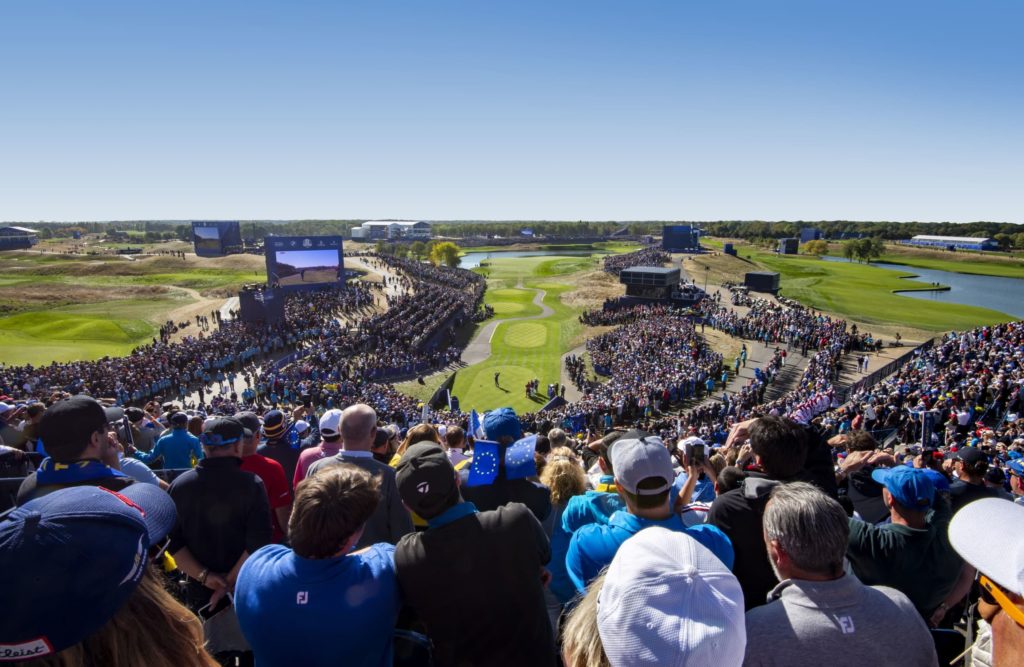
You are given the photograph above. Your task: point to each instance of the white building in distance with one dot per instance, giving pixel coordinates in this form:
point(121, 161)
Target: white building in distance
point(392, 230)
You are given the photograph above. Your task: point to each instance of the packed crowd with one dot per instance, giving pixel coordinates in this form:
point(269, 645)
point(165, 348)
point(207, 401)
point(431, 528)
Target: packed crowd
point(777, 547)
point(650, 256)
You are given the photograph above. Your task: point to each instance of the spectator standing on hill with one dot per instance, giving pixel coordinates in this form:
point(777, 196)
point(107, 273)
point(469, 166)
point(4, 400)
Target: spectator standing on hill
point(77, 562)
point(179, 448)
point(780, 451)
point(912, 553)
point(1015, 469)
point(330, 445)
point(818, 614)
point(282, 443)
point(564, 475)
point(390, 520)
point(270, 472)
point(475, 579)
point(503, 427)
point(223, 515)
point(296, 593)
point(81, 448)
point(643, 477)
point(987, 535)
point(970, 465)
point(668, 600)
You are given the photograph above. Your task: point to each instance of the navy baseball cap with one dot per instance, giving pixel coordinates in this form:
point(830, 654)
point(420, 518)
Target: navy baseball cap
point(911, 487)
point(71, 559)
point(502, 422)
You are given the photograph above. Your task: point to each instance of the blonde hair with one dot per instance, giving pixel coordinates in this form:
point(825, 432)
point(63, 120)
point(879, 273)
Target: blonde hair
point(150, 628)
point(563, 475)
point(581, 641)
point(418, 433)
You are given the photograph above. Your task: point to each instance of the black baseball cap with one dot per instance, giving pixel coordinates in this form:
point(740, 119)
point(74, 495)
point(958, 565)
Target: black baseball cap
point(971, 456)
point(66, 426)
point(426, 479)
point(250, 421)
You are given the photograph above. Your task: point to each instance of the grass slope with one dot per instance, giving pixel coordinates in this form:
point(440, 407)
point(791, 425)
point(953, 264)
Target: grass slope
point(866, 293)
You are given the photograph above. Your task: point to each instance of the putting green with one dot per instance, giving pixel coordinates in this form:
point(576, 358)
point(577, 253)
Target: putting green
point(506, 307)
point(526, 334)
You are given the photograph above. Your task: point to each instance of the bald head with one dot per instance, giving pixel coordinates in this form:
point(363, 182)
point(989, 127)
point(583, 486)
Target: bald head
point(357, 425)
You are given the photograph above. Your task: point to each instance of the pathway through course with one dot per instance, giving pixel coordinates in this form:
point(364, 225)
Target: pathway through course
point(479, 349)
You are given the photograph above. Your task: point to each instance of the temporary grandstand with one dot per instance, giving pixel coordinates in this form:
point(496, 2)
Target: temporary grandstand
point(17, 238)
point(952, 242)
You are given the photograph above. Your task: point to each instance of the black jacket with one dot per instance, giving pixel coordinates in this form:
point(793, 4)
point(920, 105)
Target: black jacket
point(476, 585)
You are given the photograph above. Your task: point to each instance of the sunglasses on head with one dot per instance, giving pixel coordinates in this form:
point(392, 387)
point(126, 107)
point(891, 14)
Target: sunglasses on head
point(993, 594)
point(215, 440)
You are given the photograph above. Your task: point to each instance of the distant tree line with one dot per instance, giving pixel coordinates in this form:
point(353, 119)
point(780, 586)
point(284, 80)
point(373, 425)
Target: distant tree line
point(1006, 234)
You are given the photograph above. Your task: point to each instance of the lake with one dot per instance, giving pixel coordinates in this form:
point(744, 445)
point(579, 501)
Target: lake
point(1003, 294)
point(471, 260)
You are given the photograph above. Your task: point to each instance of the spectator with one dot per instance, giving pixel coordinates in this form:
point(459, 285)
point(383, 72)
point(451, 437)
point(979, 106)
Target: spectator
point(970, 465)
point(557, 438)
point(270, 472)
point(643, 477)
point(581, 639)
point(668, 600)
point(455, 445)
point(503, 427)
point(780, 451)
point(330, 444)
point(81, 449)
point(864, 493)
point(498, 616)
point(179, 448)
point(995, 479)
point(117, 613)
point(704, 486)
point(381, 448)
point(143, 430)
point(596, 506)
point(390, 521)
point(296, 593)
point(280, 432)
point(1015, 469)
point(987, 534)
point(564, 475)
point(910, 554)
point(818, 614)
point(223, 516)
point(10, 434)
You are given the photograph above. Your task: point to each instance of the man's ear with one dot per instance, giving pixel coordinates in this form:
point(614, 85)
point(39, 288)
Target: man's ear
point(887, 497)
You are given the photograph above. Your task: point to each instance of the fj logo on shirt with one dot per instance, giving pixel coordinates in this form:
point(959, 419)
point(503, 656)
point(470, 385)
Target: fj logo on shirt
point(846, 625)
point(423, 487)
point(302, 597)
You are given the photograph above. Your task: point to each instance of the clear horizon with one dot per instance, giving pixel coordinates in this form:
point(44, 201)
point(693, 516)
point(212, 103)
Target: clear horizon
point(459, 110)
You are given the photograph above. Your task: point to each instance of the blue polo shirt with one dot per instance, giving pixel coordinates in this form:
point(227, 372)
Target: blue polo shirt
point(703, 492)
point(334, 611)
point(593, 547)
point(590, 507)
point(177, 447)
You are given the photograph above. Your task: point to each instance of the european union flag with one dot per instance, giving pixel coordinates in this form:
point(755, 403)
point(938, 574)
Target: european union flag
point(519, 461)
point(485, 463)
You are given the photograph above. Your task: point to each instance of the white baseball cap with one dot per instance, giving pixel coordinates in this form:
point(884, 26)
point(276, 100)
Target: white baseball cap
point(987, 534)
point(635, 460)
point(668, 600)
point(330, 423)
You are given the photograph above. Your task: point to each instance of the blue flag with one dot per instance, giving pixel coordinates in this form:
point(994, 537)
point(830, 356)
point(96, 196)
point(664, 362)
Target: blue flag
point(485, 463)
point(519, 461)
point(475, 428)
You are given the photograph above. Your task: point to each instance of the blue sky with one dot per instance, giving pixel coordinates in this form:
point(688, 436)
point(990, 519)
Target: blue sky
point(595, 110)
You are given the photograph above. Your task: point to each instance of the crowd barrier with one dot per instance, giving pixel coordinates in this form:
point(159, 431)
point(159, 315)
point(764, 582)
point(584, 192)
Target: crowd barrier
point(882, 373)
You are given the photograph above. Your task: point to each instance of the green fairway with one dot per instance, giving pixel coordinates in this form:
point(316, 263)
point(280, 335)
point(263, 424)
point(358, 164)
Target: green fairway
point(520, 352)
point(865, 293)
point(85, 331)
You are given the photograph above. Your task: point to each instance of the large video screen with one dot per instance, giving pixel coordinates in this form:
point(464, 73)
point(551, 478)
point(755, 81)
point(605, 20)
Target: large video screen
point(216, 238)
point(300, 262)
point(678, 237)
